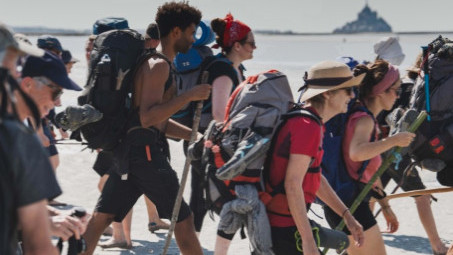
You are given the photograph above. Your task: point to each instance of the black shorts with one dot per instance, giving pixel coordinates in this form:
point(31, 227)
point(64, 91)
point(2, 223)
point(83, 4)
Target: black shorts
point(156, 179)
point(408, 182)
point(103, 163)
point(287, 240)
point(363, 215)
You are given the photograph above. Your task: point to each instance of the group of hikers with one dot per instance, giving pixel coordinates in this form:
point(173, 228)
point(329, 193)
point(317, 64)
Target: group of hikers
point(258, 157)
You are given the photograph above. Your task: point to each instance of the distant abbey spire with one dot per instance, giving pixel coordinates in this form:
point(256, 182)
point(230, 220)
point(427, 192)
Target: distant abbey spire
point(367, 22)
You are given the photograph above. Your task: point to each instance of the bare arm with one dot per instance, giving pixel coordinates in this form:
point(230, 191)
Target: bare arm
point(34, 221)
point(297, 168)
point(176, 130)
point(221, 88)
point(362, 149)
point(153, 110)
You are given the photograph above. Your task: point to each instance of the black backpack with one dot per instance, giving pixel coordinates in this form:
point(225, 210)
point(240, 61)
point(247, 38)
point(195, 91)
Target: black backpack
point(115, 58)
point(190, 67)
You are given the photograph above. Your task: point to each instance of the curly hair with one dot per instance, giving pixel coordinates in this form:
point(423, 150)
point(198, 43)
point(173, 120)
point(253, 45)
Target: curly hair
point(218, 26)
point(176, 14)
point(374, 74)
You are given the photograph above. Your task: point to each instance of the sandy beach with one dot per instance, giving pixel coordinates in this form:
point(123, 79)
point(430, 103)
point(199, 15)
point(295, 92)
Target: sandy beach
point(79, 184)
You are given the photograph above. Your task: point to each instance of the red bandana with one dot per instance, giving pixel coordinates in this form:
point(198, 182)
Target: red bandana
point(234, 31)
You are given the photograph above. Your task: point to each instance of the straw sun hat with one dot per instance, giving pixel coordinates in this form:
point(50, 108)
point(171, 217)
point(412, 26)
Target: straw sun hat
point(328, 75)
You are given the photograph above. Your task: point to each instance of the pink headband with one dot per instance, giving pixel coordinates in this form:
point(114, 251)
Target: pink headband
point(390, 77)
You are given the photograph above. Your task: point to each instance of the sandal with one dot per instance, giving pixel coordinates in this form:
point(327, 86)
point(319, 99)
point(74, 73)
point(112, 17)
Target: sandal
point(153, 226)
point(112, 244)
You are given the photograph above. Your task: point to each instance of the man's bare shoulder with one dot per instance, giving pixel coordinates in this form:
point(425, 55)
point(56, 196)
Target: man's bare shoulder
point(156, 64)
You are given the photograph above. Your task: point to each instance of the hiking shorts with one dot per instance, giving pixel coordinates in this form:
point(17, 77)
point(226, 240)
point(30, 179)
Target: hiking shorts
point(363, 215)
point(408, 182)
point(103, 163)
point(152, 176)
point(287, 240)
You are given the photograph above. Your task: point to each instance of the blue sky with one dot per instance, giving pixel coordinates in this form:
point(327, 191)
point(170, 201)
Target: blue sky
point(296, 15)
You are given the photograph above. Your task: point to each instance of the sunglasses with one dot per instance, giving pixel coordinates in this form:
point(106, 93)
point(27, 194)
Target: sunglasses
point(397, 90)
point(349, 90)
point(251, 43)
point(57, 91)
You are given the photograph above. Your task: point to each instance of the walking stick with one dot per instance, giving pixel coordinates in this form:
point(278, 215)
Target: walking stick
point(387, 162)
point(185, 172)
point(406, 173)
point(420, 192)
point(426, 73)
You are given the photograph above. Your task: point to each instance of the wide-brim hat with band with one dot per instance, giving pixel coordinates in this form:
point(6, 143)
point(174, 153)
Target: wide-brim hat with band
point(7, 40)
point(328, 75)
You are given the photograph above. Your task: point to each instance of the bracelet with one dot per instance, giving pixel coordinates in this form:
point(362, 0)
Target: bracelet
point(344, 212)
point(383, 207)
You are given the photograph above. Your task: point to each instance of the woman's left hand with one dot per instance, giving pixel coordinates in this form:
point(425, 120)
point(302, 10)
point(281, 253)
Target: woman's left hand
point(390, 217)
point(355, 228)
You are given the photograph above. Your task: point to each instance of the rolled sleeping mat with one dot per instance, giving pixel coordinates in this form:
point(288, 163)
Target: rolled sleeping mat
point(207, 36)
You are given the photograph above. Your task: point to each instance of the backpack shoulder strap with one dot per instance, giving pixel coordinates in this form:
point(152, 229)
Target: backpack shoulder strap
point(296, 111)
point(362, 108)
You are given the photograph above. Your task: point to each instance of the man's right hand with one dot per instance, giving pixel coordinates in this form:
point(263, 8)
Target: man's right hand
point(200, 92)
point(65, 226)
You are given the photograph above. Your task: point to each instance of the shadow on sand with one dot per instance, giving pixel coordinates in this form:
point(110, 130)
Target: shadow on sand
point(147, 247)
point(409, 243)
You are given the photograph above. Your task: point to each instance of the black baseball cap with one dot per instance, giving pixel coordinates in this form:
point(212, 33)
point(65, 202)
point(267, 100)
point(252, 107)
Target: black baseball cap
point(51, 67)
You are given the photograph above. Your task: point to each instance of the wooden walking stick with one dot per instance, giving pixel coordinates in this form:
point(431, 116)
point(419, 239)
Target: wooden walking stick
point(387, 162)
point(185, 172)
point(420, 192)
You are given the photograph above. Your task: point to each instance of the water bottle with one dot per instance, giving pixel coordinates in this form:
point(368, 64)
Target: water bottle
point(104, 73)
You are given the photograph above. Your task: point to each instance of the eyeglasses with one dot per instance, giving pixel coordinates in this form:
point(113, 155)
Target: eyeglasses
point(397, 90)
point(57, 91)
point(251, 43)
point(349, 90)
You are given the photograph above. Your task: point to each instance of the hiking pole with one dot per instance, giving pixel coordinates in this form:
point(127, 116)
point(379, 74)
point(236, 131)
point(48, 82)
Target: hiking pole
point(185, 172)
point(386, 164)
point(406, 173)
point(426, 74)
point(420, 192)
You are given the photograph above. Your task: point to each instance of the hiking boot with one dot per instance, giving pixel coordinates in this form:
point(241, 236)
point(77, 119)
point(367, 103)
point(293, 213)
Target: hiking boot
point(76, 116)
point(433, 164)
point(195, 149)
point(393, 117)
point(406, 120)
point(247, 151)
point(403, 124)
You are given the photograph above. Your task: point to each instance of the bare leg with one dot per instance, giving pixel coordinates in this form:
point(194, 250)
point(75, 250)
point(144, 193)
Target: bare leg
point(121, 231)
point(185, 237)
point(126, 223)
point(450, 251)
point(374, 244)
point(427, 219)
point(102, 182)
point(121, 234)
point(221, 246)
point(55, 162)
point(97, 224)
point(153, 215)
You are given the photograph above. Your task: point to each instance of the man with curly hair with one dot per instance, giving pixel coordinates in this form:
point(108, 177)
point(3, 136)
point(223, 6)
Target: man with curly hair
point(149, 170)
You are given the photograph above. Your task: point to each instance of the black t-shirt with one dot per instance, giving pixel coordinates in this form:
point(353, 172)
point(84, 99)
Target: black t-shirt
point(221, 68)
point(26, 178)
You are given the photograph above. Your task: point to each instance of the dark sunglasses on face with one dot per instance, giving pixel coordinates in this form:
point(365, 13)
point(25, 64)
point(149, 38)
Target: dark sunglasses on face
point(349, 90)
point(397, 90)
point(251, 43)
point(57, 91)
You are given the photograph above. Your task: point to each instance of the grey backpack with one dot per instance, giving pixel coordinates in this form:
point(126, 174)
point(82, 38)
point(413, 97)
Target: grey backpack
point(253, 112)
